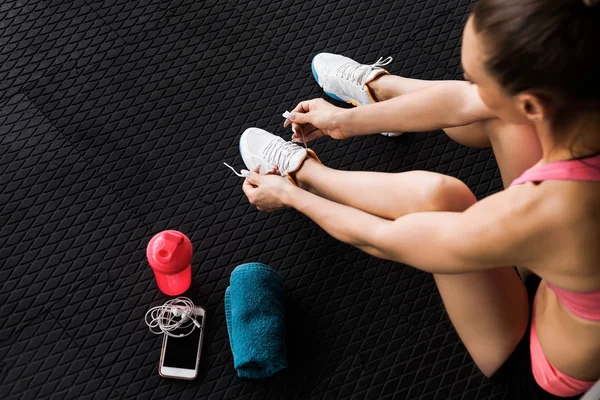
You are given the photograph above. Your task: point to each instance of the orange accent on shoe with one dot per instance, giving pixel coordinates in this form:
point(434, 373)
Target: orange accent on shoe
point(373, 99)
point(309, 153)
point(354, 103)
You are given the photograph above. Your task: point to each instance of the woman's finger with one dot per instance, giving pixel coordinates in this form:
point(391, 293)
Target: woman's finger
point(302, 118)
point(296, 128)
point(306, 128)
point(302, 107)
point(247, 187)
point(309, 131)
point(313, 135)
point(253, 179)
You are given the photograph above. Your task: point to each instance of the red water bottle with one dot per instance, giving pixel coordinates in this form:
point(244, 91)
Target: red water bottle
point(170, 255)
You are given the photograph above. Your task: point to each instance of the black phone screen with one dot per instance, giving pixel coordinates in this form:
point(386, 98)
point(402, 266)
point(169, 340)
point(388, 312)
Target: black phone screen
point(182, 352)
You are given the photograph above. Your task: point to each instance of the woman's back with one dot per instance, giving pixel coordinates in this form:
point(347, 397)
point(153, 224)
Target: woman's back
point(567, 320)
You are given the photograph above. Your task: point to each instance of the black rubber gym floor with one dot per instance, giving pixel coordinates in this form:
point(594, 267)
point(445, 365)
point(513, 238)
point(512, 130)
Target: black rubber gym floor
point(115, 119)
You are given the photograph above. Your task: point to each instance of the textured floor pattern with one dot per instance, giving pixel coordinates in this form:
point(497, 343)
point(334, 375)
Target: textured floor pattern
point(115, 116)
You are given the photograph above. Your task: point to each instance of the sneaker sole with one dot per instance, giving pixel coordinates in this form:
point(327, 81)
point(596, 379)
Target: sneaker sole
point(314, 72)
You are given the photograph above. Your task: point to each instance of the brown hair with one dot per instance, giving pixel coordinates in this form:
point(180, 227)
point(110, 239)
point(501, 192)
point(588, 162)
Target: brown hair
point(547, 47)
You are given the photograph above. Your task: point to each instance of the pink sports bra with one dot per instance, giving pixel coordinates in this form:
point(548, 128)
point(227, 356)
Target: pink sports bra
point(583, 305)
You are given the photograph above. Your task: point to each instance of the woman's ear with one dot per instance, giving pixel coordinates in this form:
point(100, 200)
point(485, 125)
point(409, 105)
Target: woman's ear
point(533, 107)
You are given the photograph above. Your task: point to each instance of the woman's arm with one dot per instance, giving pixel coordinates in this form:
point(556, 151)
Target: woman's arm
point(497, 231)
point(443, 105)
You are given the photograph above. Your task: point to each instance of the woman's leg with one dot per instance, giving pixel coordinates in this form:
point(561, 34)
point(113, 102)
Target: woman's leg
point(490, 312)
point(489, 308)
point(390, 196)
point(387, 86)
point(516, 147)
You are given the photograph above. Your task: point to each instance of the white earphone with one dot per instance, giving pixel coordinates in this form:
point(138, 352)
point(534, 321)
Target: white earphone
point(174, 314)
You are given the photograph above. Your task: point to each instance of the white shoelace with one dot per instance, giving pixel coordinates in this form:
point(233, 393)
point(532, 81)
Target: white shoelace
point(280, 152)
point(242, 174)
point(277, 152)
point(357, 73)
point(245, 173)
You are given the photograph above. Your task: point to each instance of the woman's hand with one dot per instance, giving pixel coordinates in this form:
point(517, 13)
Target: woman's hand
point(316, 118)
point(267, 191)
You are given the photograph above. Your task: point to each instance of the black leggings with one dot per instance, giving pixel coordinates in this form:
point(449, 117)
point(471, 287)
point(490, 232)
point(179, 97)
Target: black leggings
point(515, 376)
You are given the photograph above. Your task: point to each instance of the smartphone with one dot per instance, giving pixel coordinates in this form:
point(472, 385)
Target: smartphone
point(180, 357)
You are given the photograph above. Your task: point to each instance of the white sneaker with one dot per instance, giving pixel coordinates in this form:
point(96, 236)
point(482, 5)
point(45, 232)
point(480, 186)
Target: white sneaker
point(346, 80)
point(259, 147)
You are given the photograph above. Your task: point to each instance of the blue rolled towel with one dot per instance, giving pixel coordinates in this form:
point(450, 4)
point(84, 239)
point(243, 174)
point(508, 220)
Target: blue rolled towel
point(255, 320)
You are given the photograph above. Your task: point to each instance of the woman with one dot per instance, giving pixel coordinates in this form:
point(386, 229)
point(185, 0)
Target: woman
point(533, 95)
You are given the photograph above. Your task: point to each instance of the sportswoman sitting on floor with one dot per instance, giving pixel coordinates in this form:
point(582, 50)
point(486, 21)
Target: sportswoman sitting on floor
point(534, 96)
